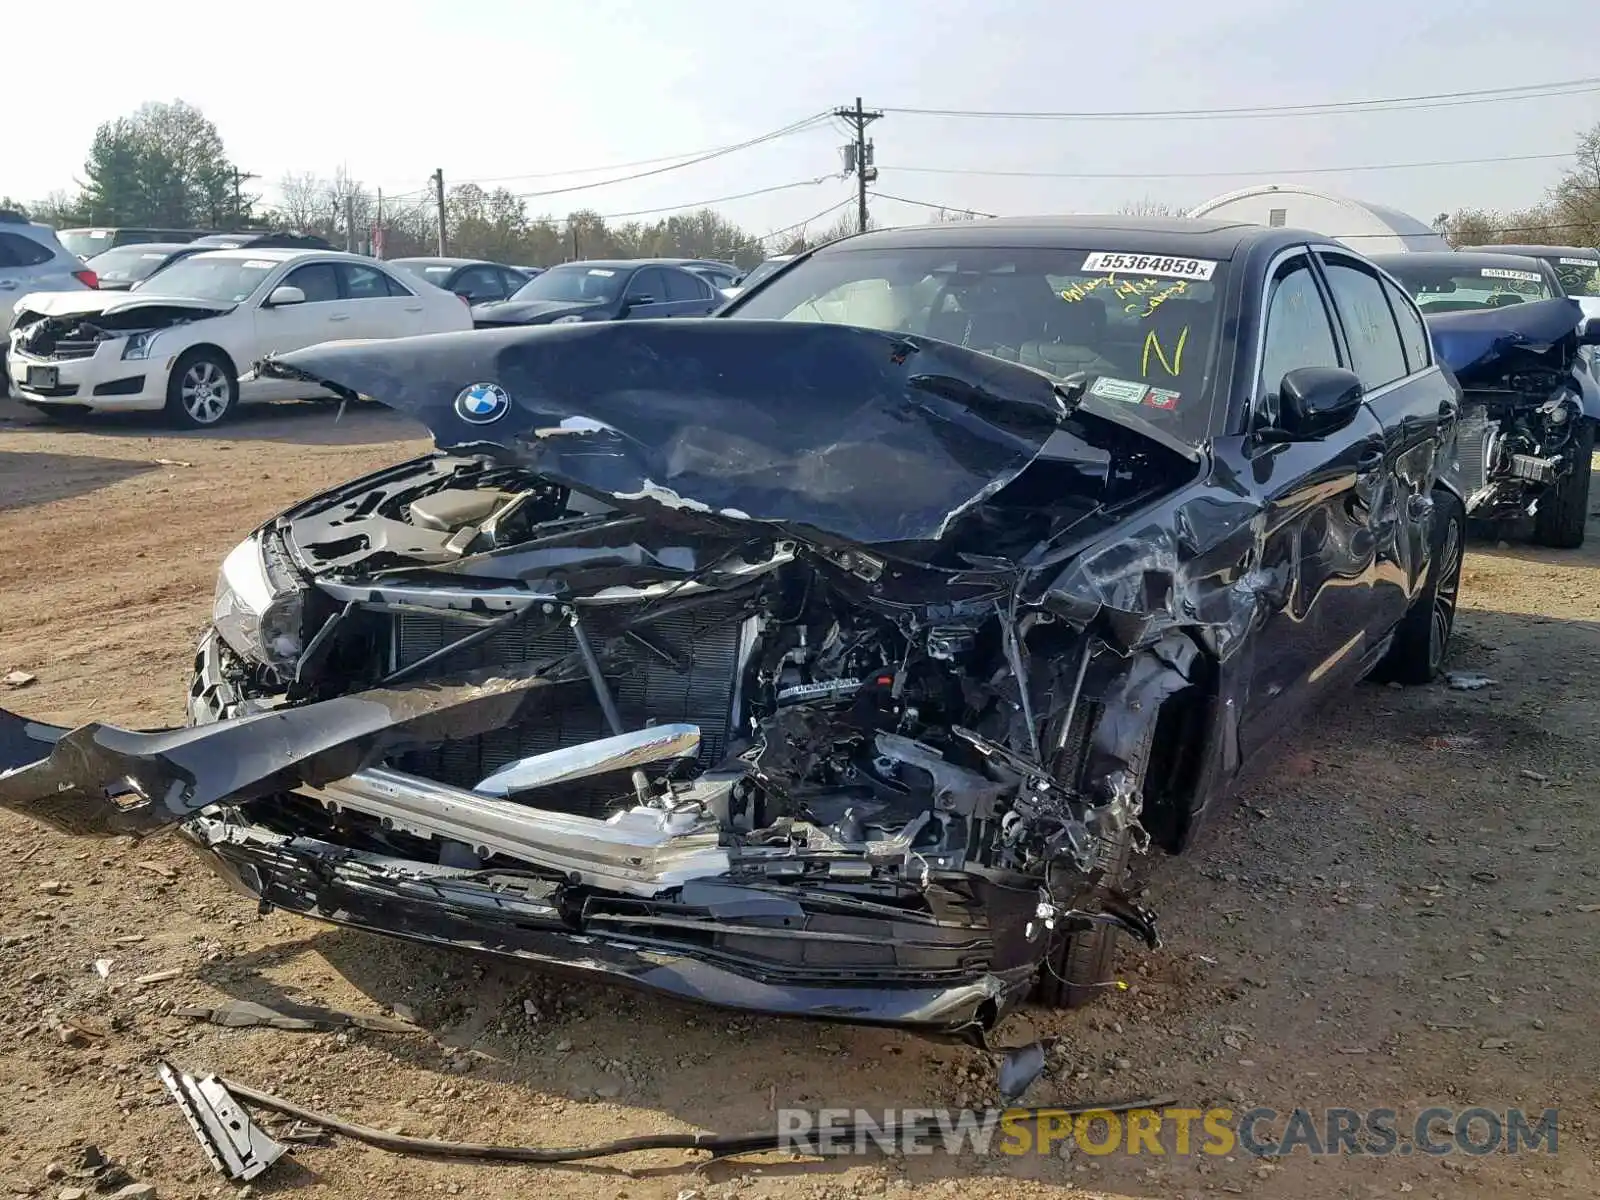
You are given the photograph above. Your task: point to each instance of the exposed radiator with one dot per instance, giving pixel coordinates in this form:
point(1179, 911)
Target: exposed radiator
point(1473, 432)
point(702, 641)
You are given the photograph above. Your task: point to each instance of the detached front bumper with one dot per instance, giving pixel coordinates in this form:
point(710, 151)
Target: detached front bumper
point(641, 902)
point(464, 910)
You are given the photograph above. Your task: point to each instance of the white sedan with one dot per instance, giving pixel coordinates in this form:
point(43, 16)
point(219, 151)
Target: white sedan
point(180, 341)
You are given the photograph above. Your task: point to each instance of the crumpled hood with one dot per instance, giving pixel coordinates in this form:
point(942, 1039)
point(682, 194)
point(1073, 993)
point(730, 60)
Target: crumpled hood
point(528, 312)
point(1469, 342)
point(79, 304)
point(869, 436)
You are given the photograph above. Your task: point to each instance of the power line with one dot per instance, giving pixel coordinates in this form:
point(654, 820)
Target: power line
point(796, 127)
point(641, 162)
point(925, 204)
point(780, 187)
point(776, 233)
point(1446, 162)
point(1531, 91)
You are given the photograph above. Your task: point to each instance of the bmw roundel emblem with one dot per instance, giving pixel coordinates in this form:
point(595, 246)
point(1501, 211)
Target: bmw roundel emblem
point(482, 403)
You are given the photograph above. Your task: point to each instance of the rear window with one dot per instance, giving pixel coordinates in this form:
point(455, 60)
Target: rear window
point(86, 243)
point(128, 264)
point(1140, 329)
point(1442, 288)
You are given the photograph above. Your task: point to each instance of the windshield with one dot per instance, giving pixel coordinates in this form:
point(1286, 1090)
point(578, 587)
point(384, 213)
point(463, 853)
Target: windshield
point(574, 283)
point(128, 264)
point(86, 243)
point(1141, 328)
point(1449, 287)
point(761, 271)
point(1579, 276)
point(224, 278)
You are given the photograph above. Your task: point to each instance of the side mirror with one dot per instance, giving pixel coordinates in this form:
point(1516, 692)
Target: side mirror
point(1589, 332)
point(1313, 401)
point(285, 295)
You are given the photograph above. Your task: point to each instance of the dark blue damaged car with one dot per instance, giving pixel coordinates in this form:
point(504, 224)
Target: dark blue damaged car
point(848, 655)
point(1512, 338)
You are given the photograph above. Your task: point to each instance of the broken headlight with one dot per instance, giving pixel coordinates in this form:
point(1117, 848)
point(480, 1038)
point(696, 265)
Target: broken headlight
point(255, 617)
point(138, 345)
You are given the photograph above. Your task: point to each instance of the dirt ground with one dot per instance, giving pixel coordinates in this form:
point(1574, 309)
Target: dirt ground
point(1403, 911)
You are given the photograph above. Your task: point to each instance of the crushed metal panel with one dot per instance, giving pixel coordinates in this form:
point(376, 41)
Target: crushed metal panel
point(232, 1142)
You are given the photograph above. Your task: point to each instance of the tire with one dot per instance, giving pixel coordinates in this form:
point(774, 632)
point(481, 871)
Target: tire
point(202, 391)
point(1422, 639)
point(1564, 510)
point(1077, 966)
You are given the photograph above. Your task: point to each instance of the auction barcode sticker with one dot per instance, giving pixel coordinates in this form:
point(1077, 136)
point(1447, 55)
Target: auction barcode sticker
point(1503, 273)
point(1579, 262)
point(1109, 261)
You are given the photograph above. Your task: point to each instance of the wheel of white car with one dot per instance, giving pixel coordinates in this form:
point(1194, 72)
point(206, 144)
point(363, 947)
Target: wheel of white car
point(202, 390)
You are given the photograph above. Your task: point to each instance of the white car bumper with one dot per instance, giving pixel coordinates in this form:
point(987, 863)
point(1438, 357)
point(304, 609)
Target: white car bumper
point(104, 380)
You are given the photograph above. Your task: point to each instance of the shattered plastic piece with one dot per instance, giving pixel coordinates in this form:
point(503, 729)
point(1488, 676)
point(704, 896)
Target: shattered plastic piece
point(102, 968)
point(1467, 681)
point(239, 1014)
point(232, 1142)
point(160, 976)
point(18, 679)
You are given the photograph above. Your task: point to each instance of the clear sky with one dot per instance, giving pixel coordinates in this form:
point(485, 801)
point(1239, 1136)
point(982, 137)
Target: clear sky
point(524, 93)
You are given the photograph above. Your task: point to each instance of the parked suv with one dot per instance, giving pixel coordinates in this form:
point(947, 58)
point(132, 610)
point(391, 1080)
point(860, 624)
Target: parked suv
point(32, 260)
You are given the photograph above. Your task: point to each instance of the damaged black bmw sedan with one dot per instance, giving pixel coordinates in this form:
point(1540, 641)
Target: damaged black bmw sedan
point(843, 656)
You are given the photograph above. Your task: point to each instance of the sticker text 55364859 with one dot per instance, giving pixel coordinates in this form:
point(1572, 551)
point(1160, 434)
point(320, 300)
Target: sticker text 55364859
point(1109, 261)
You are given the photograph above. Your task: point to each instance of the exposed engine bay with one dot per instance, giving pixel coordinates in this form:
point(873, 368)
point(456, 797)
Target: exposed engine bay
point(1517, 437)
point(839, 726)
point(1528, 408)
point(75, 335)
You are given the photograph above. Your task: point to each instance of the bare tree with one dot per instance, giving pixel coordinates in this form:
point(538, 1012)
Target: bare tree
point(301, 205)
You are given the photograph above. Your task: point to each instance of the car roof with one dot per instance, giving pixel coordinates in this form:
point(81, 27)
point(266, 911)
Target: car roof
point(148, 247)
point(1458, 258)
point(283, 254)
point(622, 264)
point(433, 261)
point(1136, 235)
point(1588, 252)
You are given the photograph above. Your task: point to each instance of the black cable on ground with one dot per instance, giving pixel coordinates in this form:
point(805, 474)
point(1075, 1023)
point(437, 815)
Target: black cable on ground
point(720, 1145)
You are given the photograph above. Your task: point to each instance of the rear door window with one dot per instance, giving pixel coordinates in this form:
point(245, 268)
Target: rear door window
point(681, 285)
point(1369, 324)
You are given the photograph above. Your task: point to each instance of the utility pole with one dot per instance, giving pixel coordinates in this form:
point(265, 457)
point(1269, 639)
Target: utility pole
point(858, 157)
point(438, 193)
point(350, 221)
point(238, 196)
point(377, 230)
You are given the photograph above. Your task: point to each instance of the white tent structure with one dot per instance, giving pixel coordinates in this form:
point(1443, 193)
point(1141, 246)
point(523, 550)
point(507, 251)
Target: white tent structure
point(1369, 228)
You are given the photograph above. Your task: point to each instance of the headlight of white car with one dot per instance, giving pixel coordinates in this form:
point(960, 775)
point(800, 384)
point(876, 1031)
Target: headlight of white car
point(255, 618)
point(139, 344)
point(566, 320)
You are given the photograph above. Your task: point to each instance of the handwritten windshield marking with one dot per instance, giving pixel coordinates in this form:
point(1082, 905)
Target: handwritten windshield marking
point(1144, 296)
point(1173, 367)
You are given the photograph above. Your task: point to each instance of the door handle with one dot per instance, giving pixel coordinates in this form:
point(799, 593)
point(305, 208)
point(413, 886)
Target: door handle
point(339, 317)
point(1371, 461)
point(413, 308)
point(8, 285)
